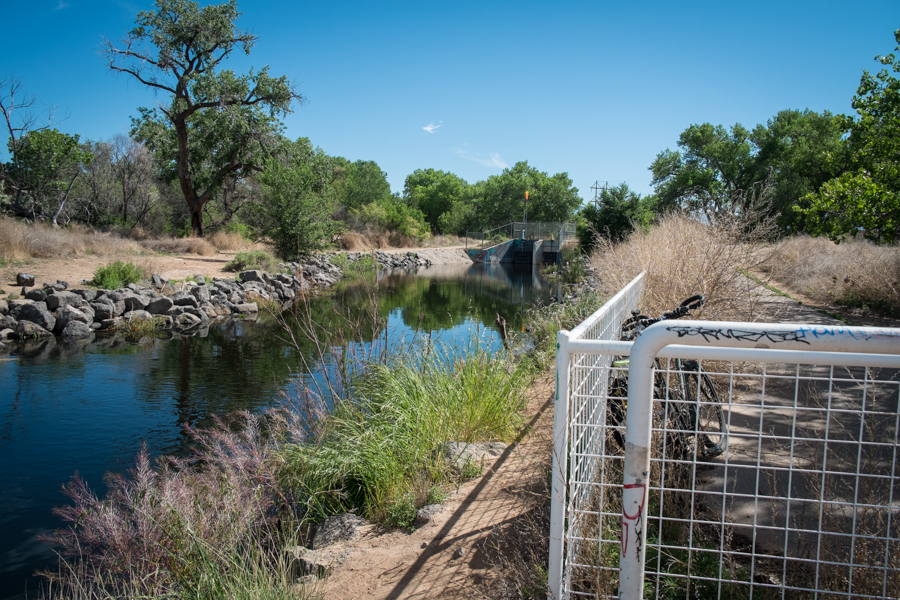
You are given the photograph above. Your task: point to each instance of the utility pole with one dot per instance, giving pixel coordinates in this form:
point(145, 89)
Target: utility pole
point(525, 216)
point(598, 189)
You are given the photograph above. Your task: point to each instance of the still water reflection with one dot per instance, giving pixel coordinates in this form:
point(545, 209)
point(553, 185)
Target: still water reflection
point(89, 407)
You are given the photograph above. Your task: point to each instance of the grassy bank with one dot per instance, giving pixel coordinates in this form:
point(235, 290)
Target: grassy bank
point(217, 524)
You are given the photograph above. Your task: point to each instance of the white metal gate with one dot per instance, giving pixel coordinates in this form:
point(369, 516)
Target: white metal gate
point(804, 501)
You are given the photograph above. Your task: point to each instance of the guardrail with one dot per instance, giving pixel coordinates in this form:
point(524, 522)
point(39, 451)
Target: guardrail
point(803, 499)
point(558, 232)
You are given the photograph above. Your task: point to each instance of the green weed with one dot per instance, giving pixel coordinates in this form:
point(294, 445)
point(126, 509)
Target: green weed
point(117, 274)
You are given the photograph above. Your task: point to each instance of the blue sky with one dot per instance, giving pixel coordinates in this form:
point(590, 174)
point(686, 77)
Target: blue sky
point(595, 89)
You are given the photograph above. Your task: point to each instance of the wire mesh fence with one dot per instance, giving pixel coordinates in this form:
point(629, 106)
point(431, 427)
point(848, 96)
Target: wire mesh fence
point(773, 474)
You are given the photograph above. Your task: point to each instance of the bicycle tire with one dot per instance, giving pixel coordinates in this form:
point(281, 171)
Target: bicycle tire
point(707, 417)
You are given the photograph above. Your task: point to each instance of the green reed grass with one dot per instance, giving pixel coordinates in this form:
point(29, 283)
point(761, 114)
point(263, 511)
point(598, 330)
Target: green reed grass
point(383, 449)
point(117, 274)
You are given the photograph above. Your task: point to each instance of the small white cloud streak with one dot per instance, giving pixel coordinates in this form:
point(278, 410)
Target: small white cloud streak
point(431, 127)
point(493, 159)
point(62, 5)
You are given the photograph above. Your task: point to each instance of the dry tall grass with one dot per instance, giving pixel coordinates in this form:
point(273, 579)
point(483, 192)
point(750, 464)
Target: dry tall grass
point(198, 246)
point(684, 257)
point(21, 241)
point(855, 273)
point(229, 241)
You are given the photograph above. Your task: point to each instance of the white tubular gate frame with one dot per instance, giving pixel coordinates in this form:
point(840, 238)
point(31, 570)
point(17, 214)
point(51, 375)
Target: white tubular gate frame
point(595, 342)
point(711, 334)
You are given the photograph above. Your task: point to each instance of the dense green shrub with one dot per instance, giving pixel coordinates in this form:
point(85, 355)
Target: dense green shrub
point(117, 274)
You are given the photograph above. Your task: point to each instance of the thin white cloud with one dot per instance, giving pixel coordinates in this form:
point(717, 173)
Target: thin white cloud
point(494, 160)
point(431, 127)
point(62, 5)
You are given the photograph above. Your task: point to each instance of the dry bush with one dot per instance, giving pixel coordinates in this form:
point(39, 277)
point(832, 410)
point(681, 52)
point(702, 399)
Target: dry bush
point(684, 257)
point(353, 241)
point(192, 245)
point(20, 240)
point(855, 273)
point(228, 241)
point(443, 240)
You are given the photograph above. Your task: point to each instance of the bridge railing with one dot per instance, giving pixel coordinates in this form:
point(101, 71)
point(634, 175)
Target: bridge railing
point(557, 232)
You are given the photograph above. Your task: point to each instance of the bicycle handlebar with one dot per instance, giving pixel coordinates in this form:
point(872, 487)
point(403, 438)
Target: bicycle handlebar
point(641, 322)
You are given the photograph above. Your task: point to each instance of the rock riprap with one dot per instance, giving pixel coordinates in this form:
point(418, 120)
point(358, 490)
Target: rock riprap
point(76, 314)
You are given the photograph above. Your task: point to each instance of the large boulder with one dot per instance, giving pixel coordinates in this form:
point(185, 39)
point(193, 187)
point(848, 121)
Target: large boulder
point(201, 293)
point(185, 321)
point(28, 330)
point(63, 298)
point(105, 310)
point(25, 279)
point(7, 322)
point(254, 275)
point(182, 299)
point(76, 330)
point(159, 306)
point(477, 456)
point(246, 307)
point(87, 295)
point(135, 302)
point(37, 294)
point(4, 307)
point(68, 314)
point(137, 315)
point(338, 528)
point(36, 313)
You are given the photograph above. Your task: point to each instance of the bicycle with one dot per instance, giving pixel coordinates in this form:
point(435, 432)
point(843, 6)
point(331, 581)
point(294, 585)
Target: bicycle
point(694, 423)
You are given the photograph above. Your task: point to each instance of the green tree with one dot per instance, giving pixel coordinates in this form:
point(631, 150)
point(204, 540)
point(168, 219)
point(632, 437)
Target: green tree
point(799, 151)
point(365, 183)
point(44, 170)
point(217, 125)
point(501, 198)
point(615, 216)
point(704, 176)
point(434, 193)
point(296, 201)
point(866, 198)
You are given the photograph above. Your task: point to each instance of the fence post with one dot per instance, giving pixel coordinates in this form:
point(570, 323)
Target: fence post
point(560, 449)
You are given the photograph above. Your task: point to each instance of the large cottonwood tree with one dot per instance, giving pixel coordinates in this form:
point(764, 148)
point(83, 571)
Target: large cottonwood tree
point(217, 125)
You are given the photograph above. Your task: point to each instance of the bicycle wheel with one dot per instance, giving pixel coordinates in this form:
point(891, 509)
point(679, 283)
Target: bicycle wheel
point(615, 408)
point(708, 419)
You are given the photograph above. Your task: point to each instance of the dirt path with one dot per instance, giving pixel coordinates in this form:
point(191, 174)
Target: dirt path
point(478, 546)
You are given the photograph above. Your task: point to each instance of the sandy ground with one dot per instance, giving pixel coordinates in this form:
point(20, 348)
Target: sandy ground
point(76, 270)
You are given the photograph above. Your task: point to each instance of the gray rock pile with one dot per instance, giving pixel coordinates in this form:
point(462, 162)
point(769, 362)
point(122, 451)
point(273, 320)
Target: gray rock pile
point(55, 310)
point(410, 260)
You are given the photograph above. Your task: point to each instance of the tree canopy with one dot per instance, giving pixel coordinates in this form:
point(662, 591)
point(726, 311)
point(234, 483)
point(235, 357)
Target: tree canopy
point(615, 215)
point(217, 125)
point(296, 200)
point(434, 192)
point(501, 198)
point(46, 165)
point(866, 197)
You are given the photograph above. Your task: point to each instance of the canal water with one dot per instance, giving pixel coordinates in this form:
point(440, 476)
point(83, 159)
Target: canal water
point(89, 408)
